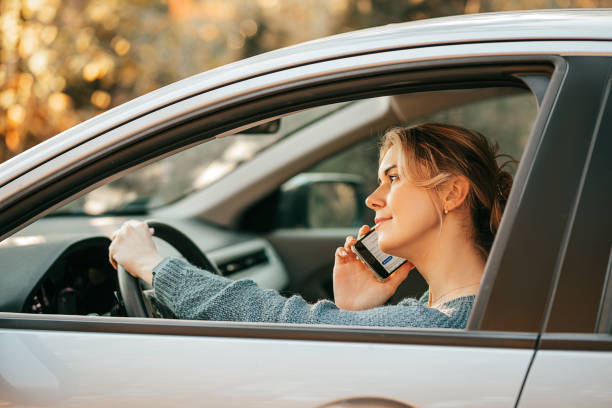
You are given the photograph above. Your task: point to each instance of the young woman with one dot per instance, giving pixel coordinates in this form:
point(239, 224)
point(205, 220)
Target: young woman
point(439, 202)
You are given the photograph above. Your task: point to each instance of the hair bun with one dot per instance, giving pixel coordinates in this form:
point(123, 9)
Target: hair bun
point(503, 184)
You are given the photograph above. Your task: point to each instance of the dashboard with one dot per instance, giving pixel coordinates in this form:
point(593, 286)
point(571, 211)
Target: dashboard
point(59, 265)
point(80, 282)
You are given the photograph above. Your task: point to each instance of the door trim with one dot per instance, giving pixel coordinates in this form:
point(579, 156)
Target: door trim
point(127, 325)
point(575, 342)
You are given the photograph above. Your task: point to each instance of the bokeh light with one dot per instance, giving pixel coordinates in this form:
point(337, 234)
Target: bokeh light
point(15, 115)
point(59, 102)
point(100, 99)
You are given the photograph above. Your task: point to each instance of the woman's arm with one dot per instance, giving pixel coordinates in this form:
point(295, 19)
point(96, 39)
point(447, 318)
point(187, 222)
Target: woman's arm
point(192, 293)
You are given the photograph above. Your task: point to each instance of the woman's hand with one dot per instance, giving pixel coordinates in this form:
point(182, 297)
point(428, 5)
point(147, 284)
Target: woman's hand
point(133, 248)
point(356, 287)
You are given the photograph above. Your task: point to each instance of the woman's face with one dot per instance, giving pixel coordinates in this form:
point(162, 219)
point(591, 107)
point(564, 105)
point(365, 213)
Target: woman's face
point(406, 219)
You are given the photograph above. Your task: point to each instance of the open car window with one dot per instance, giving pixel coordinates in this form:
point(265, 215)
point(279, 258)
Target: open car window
point(340, 179)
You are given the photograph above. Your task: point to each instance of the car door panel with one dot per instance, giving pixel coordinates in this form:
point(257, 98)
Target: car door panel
point(64, 369)
point(569, 378)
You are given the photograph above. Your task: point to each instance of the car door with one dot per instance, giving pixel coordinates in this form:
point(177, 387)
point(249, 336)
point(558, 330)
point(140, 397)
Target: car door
point(573, 363)
point(101, 361)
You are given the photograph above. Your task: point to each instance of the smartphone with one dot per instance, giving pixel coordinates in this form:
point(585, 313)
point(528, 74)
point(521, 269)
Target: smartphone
point(366, 248)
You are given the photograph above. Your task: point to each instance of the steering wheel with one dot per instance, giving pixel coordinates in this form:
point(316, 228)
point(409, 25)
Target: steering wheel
point(129, 286)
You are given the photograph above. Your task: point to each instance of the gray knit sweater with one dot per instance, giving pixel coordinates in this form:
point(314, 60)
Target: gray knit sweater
point(191, 293)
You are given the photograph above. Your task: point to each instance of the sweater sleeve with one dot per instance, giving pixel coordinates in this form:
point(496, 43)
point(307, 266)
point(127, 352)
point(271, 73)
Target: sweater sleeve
point(192, 293)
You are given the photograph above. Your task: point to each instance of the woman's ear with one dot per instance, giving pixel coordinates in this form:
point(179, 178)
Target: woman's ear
point(455, 193)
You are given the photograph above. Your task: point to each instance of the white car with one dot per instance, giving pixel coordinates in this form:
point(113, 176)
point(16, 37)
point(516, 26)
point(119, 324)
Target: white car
point(264, 164)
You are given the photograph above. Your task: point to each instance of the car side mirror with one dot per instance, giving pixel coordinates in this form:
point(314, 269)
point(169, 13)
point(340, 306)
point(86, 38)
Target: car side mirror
point(322, 200)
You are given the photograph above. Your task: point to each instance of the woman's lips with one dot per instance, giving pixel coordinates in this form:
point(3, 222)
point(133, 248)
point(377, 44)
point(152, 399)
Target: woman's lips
point(379, 221)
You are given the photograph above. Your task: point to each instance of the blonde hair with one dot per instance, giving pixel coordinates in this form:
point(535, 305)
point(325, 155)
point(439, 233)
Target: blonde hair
point(431, 153)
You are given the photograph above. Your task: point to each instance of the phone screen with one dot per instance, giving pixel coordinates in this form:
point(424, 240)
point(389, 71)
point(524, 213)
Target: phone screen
point(367, 250)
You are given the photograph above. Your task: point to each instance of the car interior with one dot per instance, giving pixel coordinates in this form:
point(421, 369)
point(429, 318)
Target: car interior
point(270, 203)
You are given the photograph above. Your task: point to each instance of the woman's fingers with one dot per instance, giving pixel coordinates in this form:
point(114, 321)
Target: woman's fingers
point(350, 240)
point(399, 276)
point(343, 255)
point(363, 230)
point(129, 243)
point(111, 251)
point(407, 267)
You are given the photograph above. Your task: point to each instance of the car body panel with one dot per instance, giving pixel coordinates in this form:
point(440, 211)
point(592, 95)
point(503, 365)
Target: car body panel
point(562, 378)
point(63, 369)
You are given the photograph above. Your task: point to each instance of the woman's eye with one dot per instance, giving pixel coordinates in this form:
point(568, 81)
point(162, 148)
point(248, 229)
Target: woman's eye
point(393, 177)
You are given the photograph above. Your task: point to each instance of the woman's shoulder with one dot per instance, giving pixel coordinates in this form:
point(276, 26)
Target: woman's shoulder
point(452, 314)
point(424, 300)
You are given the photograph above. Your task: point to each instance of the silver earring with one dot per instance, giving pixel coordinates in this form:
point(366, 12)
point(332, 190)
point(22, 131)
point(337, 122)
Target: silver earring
point(445, 211)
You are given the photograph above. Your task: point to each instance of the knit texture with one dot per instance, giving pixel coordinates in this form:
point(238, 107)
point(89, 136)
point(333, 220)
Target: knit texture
point(192, 293)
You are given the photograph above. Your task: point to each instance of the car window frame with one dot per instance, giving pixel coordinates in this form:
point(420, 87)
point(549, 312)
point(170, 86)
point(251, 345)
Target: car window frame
point(579, 294)
point(549, 203)
point(604, 318)
point(175, 140)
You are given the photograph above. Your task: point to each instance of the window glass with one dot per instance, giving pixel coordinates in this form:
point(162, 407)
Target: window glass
point(340, 201)
point(172, 178)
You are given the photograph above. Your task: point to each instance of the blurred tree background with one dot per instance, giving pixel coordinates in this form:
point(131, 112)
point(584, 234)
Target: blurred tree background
point(62, 62)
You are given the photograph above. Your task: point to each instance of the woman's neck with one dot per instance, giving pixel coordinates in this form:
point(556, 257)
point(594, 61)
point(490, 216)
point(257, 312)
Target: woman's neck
point(452, 266)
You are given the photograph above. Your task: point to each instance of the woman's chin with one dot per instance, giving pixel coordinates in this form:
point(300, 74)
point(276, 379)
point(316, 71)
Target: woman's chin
point(385, 247)
point(390, 248)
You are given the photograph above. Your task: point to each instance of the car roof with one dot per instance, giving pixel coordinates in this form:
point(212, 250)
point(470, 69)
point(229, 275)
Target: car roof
point(578, 24)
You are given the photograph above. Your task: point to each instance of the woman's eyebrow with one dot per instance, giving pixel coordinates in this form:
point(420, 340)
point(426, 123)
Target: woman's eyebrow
point(387, 170)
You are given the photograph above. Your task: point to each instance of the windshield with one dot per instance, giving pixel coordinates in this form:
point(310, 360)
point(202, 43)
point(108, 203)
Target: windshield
point(174, 177)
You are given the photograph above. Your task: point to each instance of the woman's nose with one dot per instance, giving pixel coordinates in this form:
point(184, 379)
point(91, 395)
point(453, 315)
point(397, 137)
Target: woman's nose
point(375, 200)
